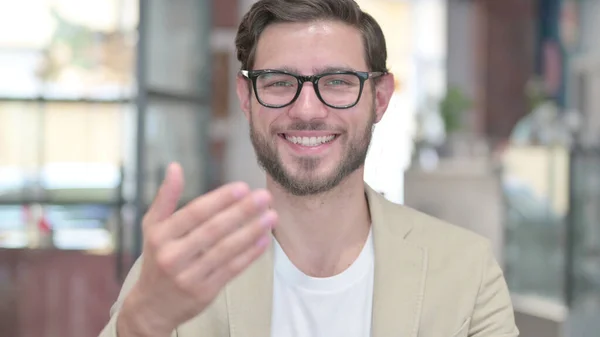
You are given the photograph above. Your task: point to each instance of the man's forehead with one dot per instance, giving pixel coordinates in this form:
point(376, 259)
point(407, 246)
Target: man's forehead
point(311, 47)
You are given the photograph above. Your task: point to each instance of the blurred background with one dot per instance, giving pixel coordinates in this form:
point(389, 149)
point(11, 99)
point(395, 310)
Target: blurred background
point(494, 126)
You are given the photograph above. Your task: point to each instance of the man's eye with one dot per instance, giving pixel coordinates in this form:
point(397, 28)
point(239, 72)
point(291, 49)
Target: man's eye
point(280, 84)
point(337, 82)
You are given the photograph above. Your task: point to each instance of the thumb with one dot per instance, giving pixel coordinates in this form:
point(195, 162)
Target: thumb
point(168, 195)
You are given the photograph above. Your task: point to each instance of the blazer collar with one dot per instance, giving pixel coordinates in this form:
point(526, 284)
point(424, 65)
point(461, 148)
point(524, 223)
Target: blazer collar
point(400, 270)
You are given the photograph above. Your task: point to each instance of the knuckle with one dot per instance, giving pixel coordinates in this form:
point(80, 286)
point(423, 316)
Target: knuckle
point(248, 208)
point(182, 282)
point(157, 237)
point(166, 261)
point(154, 239)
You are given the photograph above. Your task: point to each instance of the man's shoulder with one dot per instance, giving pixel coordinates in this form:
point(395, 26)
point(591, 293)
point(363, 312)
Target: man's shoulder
point(422, 229)
point(450, 249)
point(434, 233)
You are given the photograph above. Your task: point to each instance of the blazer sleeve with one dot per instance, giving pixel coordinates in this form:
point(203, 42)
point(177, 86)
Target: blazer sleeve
point(493, 315)
point(110, 329)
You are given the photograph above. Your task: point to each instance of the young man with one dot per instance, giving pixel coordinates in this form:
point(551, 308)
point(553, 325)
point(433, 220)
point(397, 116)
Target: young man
point(318, 253)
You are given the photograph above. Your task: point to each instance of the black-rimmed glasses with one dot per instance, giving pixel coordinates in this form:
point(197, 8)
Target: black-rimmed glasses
point(339, 90)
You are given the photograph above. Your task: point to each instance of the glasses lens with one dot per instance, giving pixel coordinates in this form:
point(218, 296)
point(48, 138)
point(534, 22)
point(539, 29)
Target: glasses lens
point(339, 90)
point(276, 89)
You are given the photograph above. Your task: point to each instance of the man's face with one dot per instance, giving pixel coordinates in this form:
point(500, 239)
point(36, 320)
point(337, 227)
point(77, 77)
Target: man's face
point(308, 147)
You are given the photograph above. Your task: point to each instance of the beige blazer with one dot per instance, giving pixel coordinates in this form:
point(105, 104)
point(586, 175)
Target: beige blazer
point(432, 279)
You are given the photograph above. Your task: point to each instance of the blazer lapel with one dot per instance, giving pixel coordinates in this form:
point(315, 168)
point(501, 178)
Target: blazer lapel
point(400, 271)
point(249, 299)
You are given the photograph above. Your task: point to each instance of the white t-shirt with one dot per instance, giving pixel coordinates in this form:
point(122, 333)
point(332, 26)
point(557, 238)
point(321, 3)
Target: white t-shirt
point(338, 306)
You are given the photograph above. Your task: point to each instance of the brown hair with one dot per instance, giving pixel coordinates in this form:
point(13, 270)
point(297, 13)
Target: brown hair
point(266, 12)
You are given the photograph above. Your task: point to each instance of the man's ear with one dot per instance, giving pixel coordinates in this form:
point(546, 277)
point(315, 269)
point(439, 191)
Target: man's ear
point(384, 89)
point(243, 92)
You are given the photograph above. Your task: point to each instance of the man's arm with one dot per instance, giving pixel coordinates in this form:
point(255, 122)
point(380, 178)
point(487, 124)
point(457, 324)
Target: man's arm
point(110, 329)
point(190, 254)
point(493, 315)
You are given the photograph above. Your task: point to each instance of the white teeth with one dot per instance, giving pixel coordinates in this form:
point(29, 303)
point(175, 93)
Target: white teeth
point(310, 141)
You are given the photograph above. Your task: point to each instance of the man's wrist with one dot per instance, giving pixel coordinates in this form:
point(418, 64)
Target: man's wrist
point(134, 321)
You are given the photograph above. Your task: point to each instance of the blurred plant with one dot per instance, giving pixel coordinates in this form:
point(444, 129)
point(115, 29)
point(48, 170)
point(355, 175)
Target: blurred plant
point(438, 120)
point(535, 92)
point(452, 109)
point(77, 46)
point(69, 46)
point(546, 123)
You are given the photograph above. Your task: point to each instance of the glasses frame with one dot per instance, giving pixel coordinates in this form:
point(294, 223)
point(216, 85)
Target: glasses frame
point(363, 76)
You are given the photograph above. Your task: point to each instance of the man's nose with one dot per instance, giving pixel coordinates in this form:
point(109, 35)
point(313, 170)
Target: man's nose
point(308, 106)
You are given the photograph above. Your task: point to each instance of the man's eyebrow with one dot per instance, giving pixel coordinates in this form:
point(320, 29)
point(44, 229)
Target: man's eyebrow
point(289, 69)
point(326, 69)
point(331, 69)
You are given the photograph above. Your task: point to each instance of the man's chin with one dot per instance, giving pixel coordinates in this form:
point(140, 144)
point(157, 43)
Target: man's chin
point(307, 184)
point(304, 177)
point(308, 189)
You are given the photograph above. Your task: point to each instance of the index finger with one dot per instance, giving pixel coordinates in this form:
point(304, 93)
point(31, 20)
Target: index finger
point(204, 207)
point(167, 197)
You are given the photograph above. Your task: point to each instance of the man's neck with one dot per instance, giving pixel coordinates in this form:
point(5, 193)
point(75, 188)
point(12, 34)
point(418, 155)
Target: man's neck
point(323, 234)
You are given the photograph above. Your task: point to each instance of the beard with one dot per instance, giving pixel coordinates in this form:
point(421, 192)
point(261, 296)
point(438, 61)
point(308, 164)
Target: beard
point(306, 181)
